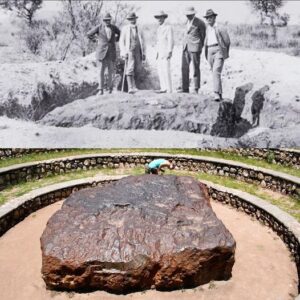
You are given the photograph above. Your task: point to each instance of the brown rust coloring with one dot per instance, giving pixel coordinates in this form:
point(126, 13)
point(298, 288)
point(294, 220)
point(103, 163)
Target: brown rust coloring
point(137, 233)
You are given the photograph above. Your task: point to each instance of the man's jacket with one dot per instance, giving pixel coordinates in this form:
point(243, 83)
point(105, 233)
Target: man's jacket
point(223, 42)
point(125, 40)
point(165, 40)
point(194, 37)
point(105, 44)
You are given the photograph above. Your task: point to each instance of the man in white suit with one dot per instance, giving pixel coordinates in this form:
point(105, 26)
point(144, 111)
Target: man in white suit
point(132, 48)
point(165, 45)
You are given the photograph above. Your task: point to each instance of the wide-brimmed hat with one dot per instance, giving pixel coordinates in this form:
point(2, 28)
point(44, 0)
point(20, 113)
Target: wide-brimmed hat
point(210, 13)
point(190, 11)
point(132, 16)
point(161, 14)
point(107, 17)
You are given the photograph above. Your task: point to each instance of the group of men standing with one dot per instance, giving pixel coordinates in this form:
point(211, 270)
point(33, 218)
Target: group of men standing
point(213, 38)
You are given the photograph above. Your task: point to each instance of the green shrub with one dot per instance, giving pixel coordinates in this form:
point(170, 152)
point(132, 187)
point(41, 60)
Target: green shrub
point(270, 157)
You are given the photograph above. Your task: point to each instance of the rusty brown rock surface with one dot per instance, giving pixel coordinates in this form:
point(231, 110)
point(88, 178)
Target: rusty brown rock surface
point(137, 233)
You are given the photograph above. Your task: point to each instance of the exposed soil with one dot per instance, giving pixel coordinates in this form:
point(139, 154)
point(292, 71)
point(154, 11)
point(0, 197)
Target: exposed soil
point(61, 94)
point(263, 267)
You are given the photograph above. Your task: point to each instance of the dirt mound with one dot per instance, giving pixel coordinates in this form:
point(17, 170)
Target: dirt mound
point(31, 90)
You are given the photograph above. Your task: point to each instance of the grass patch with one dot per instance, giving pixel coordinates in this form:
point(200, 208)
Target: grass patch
point(26, 187)
point(216, 154)
point(286, 203)
point(261, 37)
point(249, 36)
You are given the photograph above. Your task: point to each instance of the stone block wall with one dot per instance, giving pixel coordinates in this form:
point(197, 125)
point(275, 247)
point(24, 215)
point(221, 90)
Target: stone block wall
point(264, 217)
point(6, 153)
point(16, 215)
point(60, 166)
point(276, 156)
point(25, 209)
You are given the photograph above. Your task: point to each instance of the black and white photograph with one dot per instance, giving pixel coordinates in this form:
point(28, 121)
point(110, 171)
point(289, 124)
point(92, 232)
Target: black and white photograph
point(149, 150)
point(134, 73)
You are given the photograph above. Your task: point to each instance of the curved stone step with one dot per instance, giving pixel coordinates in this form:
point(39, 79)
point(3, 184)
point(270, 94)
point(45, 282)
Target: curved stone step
point(283, 224)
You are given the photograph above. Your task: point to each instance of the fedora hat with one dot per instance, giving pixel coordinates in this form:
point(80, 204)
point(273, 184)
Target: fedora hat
point(190, 11)
point(210, 13)
point(132, 16)
point(107, 17)
point(161, 14)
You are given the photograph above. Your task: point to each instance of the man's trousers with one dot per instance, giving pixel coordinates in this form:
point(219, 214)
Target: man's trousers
point(110, 65)
point(164, 73)
point(187, 58)
point(216, 62)
point(134, 62)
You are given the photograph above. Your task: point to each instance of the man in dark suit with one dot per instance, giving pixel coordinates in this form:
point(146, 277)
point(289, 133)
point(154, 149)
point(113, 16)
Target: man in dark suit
point(106, 55)
point(217, 44)
point(192, 47)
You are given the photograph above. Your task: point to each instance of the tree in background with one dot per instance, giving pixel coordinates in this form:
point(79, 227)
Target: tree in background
point(268, 9)
point(119, 11)
point(78, 17)
point(25, 8)
point(64, 35)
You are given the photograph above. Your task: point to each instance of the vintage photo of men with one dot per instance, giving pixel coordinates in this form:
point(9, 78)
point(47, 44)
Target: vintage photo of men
point(132, 73)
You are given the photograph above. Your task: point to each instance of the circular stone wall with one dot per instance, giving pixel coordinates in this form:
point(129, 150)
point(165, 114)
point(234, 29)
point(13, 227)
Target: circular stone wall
point(261, 259)
point(286, 227)
point(281, 182)
point(286, 157)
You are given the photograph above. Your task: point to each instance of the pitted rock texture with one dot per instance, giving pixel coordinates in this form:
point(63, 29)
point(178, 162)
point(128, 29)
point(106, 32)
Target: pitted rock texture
point(147, 110)
point(137, 233)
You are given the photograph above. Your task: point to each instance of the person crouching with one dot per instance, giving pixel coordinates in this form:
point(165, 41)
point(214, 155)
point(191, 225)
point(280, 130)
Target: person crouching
point(157, 166)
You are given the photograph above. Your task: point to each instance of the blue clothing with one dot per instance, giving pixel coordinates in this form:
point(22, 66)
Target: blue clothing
point(155, 164)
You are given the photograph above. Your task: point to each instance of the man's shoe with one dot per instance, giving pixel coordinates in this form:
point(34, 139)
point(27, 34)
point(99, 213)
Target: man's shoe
point(110, 90)
point(100, 92)
point(182, 91)
point(131, 91)
point(217, 97)
point(195, 91)
point(160, 92)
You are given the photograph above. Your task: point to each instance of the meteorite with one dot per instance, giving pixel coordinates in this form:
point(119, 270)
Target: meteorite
point(137, 233)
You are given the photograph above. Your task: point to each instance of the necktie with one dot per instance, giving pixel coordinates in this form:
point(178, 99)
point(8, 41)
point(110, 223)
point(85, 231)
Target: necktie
point(134, 31)
point(108, 32)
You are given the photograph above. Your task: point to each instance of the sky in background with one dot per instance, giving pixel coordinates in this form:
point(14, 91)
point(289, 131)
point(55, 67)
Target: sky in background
point(237, 11)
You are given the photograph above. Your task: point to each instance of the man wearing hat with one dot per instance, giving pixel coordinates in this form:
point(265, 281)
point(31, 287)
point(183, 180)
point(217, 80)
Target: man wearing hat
point(193, 43)
point(132, 48)
point(108, 35)
point(217, 44)
point(164, 47)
